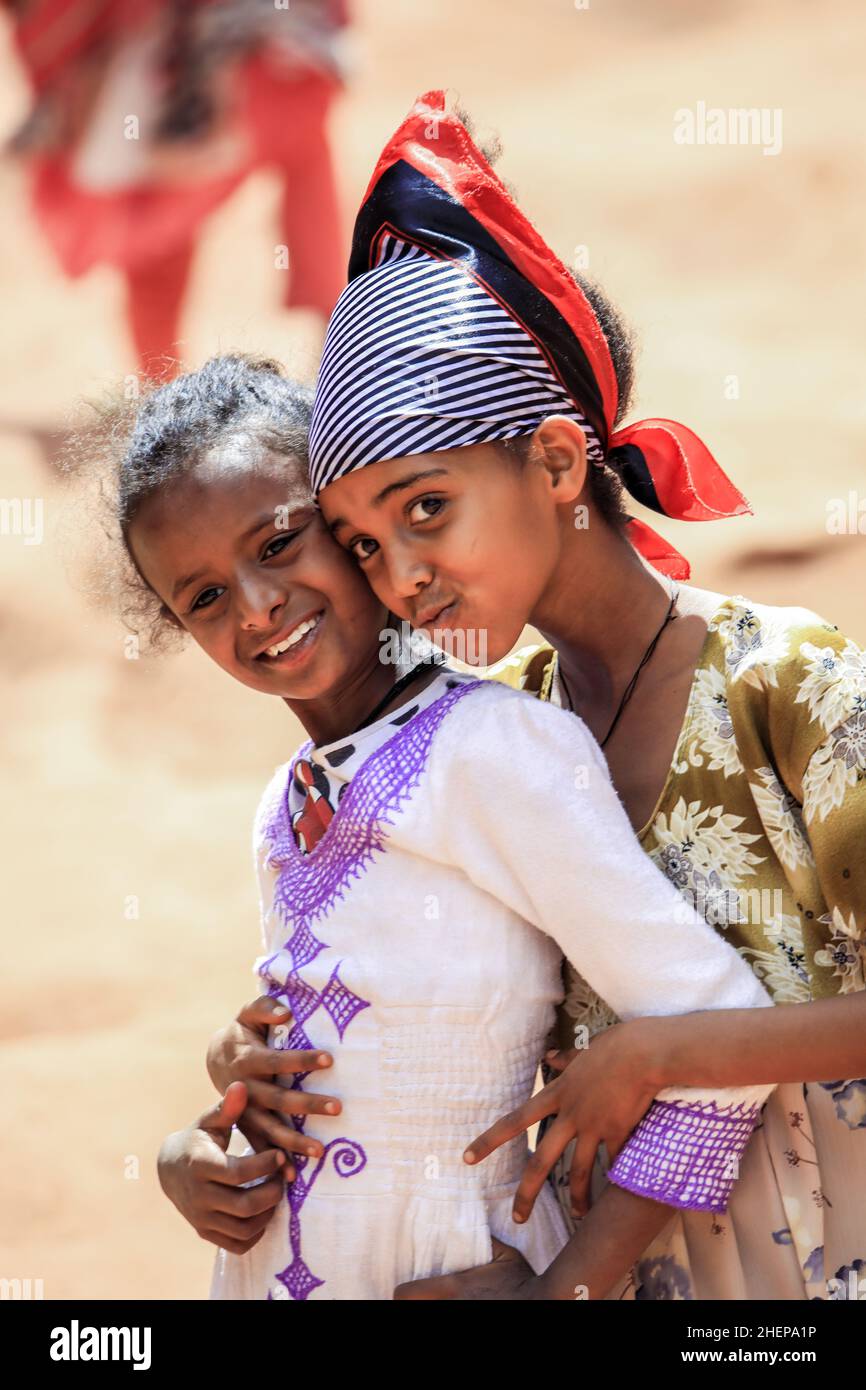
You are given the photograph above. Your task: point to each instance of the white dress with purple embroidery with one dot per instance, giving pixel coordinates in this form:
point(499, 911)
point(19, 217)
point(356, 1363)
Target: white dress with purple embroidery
point(476, 837)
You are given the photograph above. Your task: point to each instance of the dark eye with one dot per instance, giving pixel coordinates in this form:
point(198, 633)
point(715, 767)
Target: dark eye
point(431, 506)
point(206, 598)
point(362, 549)
point(277, 544)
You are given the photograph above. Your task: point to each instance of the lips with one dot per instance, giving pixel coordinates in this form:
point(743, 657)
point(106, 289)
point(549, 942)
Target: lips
point(429, 616)
point(289, 638)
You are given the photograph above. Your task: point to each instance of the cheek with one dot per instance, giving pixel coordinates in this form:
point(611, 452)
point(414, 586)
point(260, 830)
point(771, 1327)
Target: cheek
point(363, 611)
point(339, 580)
point(379, 594)
point(216, 644)
point(526, 533)
point(491, 543)
point(499, 562)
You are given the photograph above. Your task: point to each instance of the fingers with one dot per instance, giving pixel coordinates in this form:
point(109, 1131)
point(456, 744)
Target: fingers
point(581, 1173)
point(211, 1167)
point(248, 1167)
point(260, 1060)
point(263, 1011)
point(218, 1121)
point(261, 1143)
point(245, 1202)
point(501, 1251)
point(239, 1227)
point(512, 1124)
point(237, 1247)
point(288, 1101)
point(271, 1130)
point(287, 1060)
point(253, 1136)
point(559, 1058)
point(235, 1233)
point(234, 1103)
point(537, 1168)
point(440, 1286)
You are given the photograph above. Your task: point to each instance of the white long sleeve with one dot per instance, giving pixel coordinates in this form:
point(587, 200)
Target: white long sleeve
point(534, 820)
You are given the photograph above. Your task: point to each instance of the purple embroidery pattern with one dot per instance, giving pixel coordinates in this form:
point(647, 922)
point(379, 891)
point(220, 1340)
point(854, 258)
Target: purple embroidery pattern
point(686, 1155)
point(348, 1157)
point(309, 884)
point(307, 887)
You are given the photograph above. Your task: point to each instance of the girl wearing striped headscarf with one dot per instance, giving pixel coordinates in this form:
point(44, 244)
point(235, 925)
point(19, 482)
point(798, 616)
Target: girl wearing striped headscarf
point(401, 924)
point(467, 448)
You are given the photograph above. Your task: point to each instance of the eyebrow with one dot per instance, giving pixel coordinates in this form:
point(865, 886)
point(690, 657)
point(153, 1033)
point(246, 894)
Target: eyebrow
point(267, 519)
point(186, 582)
point(400, 486)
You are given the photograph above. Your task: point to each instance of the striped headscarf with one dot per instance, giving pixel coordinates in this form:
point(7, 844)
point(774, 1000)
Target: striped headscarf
point(460, 326)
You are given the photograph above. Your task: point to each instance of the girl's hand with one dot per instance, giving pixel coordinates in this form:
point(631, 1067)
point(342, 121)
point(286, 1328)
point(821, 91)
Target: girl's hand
point(206, 1183)
point(240, 1052)
point(603, 1092)
point(507, 1276)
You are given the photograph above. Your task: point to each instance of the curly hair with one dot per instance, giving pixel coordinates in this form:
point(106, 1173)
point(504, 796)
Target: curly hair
point(138, 441)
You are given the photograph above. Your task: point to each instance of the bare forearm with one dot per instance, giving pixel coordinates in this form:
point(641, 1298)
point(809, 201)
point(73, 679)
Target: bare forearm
point(824, 1040)
point(614, 1233)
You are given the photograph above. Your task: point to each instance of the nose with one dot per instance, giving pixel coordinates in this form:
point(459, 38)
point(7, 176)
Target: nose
point(408, 573)
point(258, 600)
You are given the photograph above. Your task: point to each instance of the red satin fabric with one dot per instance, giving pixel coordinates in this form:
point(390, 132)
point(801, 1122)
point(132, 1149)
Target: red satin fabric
point(657, 551)
point(455, 163)
point(688, 481)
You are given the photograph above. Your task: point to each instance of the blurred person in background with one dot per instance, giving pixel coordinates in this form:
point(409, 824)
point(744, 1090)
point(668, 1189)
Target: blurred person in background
point(147, 114)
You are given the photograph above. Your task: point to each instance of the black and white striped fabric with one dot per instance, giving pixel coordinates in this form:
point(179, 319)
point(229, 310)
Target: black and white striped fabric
point(419, 357)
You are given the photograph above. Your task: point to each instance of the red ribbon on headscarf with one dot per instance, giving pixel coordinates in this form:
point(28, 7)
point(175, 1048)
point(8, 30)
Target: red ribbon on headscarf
point(664, 465)
point(688, 483)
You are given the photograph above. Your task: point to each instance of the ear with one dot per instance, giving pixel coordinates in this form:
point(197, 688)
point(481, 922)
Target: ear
point(559, 445)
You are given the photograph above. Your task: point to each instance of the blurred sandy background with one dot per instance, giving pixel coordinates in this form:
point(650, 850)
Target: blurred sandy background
point(140, 777)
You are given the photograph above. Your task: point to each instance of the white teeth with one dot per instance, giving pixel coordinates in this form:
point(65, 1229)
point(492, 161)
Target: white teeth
point(294, 637)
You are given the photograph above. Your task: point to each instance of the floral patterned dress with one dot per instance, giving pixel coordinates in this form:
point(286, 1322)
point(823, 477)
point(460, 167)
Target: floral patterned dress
point(761, 824)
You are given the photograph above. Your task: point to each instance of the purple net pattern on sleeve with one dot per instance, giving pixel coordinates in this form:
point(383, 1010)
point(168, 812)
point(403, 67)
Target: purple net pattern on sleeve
point(685, 1155)
point(307, 886)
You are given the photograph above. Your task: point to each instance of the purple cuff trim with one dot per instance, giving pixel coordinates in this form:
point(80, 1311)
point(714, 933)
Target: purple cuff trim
point(686, 1156)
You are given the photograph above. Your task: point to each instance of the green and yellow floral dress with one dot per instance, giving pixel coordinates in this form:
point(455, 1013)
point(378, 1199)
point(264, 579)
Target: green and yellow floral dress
point(762, 825)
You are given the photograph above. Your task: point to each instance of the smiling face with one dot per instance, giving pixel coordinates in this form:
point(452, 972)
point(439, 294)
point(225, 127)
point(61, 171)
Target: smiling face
point(241, 559)
point(461, 543)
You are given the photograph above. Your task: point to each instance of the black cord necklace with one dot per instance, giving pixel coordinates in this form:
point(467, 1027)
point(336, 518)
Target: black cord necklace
point(436, 659)
point(629, 690)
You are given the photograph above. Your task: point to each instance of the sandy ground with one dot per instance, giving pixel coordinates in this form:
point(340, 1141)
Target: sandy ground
point(138, 779)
